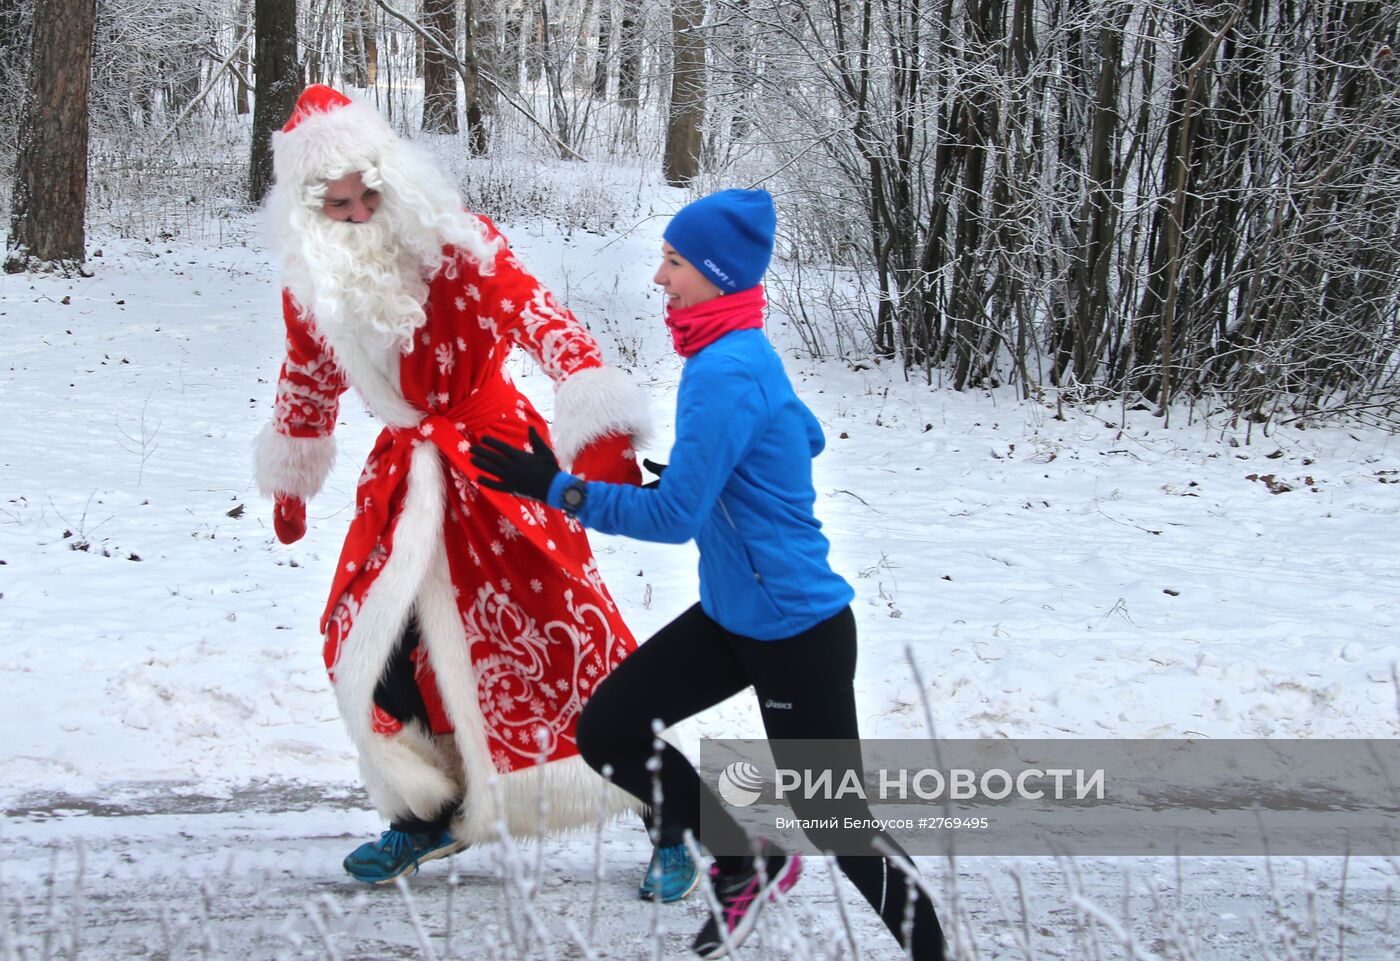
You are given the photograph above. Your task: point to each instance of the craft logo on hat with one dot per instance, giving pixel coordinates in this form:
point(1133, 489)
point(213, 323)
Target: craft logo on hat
point(718, 271)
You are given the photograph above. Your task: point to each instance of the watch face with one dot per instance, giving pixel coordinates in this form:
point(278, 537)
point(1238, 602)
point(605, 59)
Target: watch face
point(573, 497)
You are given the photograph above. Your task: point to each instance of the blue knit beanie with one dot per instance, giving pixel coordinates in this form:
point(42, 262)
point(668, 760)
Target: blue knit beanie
point(727, 236)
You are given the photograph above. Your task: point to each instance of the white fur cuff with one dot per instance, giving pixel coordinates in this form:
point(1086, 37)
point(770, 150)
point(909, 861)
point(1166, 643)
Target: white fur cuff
point(594, 403)
point(291, 465)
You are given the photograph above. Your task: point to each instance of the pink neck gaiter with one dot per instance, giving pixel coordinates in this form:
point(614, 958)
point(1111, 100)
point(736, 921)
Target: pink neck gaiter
point(695, 328)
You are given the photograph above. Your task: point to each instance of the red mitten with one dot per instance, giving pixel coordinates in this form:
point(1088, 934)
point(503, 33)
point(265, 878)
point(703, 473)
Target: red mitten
point(289, 518)
point(609, 458)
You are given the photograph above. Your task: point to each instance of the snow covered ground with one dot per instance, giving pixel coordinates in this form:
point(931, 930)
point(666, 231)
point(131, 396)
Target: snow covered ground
point(175, 781)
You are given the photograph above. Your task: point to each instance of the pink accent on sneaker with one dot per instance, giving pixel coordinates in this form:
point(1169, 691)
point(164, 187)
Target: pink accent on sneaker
point(735, 910)
point(787, 878)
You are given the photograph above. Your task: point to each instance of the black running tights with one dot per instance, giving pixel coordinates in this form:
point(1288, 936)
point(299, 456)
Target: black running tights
point(803, 684)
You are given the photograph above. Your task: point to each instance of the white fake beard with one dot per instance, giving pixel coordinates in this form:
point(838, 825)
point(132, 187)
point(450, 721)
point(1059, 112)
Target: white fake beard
point(365, 282)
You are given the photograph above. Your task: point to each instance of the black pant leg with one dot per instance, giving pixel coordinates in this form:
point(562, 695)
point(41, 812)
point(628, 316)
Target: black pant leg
point(683, 669)
point(397, 692)
point(805, 691)
point(804, 683)
point(887, 889)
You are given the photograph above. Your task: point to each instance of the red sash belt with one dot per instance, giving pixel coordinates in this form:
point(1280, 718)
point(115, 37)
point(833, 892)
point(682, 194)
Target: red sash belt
point(382, 486)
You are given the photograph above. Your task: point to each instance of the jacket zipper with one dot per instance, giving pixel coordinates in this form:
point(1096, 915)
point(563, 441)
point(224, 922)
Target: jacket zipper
point(757, 577)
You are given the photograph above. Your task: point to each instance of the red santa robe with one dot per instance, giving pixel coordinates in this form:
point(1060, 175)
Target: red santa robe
point(517, 626)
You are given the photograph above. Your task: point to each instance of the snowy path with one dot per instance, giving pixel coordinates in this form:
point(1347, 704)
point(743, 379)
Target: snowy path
point(261, 879)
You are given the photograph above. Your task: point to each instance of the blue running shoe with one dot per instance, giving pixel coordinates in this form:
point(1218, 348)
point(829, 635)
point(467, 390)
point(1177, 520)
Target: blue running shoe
point(397, 853)
point(672, 874)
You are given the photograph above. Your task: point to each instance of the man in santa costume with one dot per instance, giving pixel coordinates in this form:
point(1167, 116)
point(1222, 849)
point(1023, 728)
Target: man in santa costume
point(465, 627)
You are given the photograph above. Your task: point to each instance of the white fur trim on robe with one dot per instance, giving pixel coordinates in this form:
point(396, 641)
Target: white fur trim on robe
point(403, 773)
point(594, 403)
point(291, 465)
point(573, 794)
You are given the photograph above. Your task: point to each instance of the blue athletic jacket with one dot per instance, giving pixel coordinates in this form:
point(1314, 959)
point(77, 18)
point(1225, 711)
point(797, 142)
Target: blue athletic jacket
point(739, 481)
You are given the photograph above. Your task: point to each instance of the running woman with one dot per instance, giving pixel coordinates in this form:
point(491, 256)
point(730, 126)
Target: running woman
point(772, 614)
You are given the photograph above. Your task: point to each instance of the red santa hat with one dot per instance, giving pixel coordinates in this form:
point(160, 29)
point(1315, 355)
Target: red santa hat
point(329, 135)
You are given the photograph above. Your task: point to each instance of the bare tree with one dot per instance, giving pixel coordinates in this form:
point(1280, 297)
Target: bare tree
point(318, 43)
point(278, 80)
point(472, 77)
point(604, 55)
point(14, 58)
point(477, 100)
point(681, 160)
point(483, 28)
point(242, 61)
point(1158, 200)
point(553, 61)
point(534, 32)
point(629, 66)
point(360, 45)
point(49, 201)
point(182, 70)
point(582, 36)
point(439, 79)
point(12, 26)
point(514, 16)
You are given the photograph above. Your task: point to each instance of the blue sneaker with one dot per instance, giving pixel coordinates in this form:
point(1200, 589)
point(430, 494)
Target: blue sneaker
point(671, 874)
point(397, 853)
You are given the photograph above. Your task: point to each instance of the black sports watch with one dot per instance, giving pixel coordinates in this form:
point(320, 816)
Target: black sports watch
point(571, 498)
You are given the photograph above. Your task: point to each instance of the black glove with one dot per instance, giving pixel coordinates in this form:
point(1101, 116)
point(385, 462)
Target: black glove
point(506, 468)
point(656, 469)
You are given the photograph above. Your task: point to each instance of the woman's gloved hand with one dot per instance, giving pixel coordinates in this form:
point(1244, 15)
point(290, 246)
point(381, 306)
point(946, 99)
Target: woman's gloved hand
point(520, 472)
